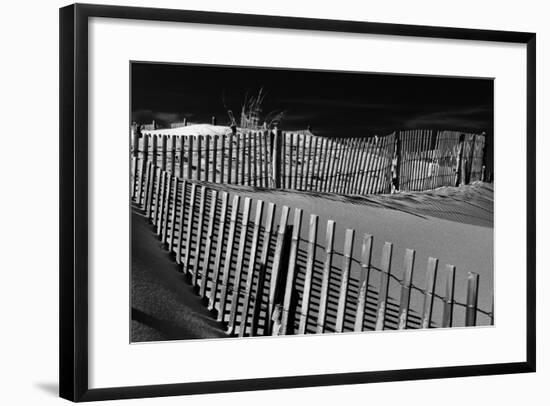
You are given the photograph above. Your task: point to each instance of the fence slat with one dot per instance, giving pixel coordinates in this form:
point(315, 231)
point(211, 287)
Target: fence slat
point(264, 158)
point(160, 203)
point(257, 302)
point(240, 264)
point(156, 196)
point(448, 303)
point(232, 139)
point(181, 222)
point(154, 149)
point(199, 157)
point(385, 271)
point(190, 158)
point(251, 267)
point(312, 171)
point(174, 215)
point(200, 227)
point(287, 322)
point(364, 276)
point(257, 159)
point(219, 251)
point(471, 299)
point(146, 187)
point(222, 159)
point(366, 168)
point(344, 283)
point(248, 159)
point(431, 278)
point(164, 151)
point(150, 189)
point(190, 221)
point(312, 241)
point(321, 317)
point(228, 257)
point(332, 167)
point(166, 209)
point(279, 247)
point(408, 267)
point(181, 155)
point(209, 239)
point(134, 177)
point(321, 155)
point(302, 160)
point(143, 168)
point(239, 158)
point(215, 159)
point(173, 155)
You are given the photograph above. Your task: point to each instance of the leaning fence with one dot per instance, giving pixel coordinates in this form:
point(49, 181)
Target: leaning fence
point(407, 160)
point(264, 273)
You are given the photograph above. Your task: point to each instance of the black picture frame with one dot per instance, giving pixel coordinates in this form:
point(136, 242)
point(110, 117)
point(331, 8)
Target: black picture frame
point(74, 201)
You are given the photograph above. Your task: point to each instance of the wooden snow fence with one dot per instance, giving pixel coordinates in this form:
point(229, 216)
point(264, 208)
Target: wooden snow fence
point(427, 159)
point(412, 160)
point(268, 270)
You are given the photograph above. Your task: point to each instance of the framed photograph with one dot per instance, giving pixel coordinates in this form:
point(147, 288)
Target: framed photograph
point(255, 202)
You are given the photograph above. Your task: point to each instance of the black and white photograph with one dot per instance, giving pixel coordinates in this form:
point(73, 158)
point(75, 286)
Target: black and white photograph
point(268, 201)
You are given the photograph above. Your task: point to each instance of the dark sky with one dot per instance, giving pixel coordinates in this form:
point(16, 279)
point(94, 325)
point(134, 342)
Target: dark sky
point(333, 103)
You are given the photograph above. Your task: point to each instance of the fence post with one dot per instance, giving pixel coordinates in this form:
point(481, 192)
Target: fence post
point(471, 299)
point(276, 161)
